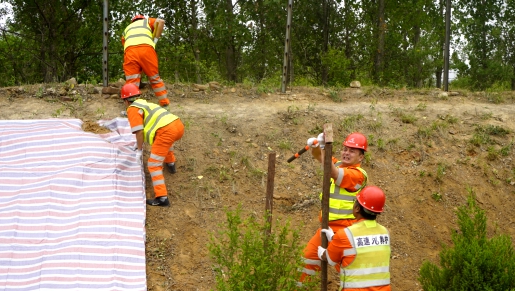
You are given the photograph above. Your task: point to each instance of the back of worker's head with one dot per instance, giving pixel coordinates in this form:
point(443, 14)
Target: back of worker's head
point(356, 140)
point(372, 200)
point(129, 92)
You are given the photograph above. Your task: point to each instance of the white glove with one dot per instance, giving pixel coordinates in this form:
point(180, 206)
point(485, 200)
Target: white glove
point(329, 233)
point(321, 140)
point(139, 153)
point(312, 142)
point(155, 40)
point(321, 252)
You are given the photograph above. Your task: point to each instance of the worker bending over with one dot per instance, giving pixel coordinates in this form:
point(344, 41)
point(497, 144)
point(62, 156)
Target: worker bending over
point(159, 128)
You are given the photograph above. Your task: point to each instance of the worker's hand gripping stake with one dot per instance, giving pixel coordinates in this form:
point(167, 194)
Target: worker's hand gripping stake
point(311, 143)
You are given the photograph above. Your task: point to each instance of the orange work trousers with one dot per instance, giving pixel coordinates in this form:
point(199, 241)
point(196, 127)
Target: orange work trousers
point(312, 263)
point(162, 151)
point(144, 58)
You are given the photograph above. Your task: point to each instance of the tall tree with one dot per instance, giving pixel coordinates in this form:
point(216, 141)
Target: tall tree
point(477, 25)
point(58, 34)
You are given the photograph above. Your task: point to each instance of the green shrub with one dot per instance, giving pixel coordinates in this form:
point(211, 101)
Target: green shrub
point(475, 262)
point(246, 258)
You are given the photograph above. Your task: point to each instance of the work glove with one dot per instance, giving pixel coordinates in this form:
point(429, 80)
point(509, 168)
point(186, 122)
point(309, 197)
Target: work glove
point(329, 233)
point(139, 153)
point(321, 252)
point(155, 40)
point(312, 142)
point(321, 140)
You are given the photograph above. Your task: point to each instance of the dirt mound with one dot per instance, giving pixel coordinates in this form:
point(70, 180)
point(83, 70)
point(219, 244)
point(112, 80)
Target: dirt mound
point(428, 151)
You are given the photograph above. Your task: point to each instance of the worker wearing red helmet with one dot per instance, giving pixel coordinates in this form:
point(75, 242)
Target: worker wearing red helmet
point(157, 127)
point(362, 250)
point(139, 40)
point(347, 179)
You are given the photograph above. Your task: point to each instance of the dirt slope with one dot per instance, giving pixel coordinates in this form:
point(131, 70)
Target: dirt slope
point(422, 154)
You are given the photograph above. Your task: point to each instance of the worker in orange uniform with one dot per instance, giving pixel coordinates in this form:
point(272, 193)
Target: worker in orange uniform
point(347, 179)
point(362, 250)
point(139, 40)
point(159, 128)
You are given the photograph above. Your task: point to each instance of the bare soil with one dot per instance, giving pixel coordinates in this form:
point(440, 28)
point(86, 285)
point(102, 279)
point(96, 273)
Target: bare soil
point(421, 153)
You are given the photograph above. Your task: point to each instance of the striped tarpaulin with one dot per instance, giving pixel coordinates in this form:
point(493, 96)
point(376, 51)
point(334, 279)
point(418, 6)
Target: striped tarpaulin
point(72, 207)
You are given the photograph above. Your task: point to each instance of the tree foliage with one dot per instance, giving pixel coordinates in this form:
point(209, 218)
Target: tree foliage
point(247, 257)
point(393, 43)
point(474, 262)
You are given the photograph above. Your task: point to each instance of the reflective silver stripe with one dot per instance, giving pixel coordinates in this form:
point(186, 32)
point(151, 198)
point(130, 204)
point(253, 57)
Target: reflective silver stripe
point(155, 76)
point(340, 177)
point(171, 148)
point(156, 173)
point(136, 128)
point(129, 77)
point(309, 272)
point(340, 211)
point(162, 97)
point(156, 157)
point(337, 196)
point(329, 261)
point(299, 284)
point(366, 284)
point(351, 251)
point(350, 236)
point(313, 262)
point(151, 164)
point(158, 81)
point(158, 182)
point(156, 121)
point(366, 271)
point(159, 89)
point(137, 35)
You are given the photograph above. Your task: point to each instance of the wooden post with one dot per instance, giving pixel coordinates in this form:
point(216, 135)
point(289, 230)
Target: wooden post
point(270, 191)
point(328, 153)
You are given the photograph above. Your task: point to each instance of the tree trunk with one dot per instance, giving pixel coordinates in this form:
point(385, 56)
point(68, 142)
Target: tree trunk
point(438, 76)
point(230, 55)
point(325, 32)
point(261, 41)
point(381, 29)
point(194, 29)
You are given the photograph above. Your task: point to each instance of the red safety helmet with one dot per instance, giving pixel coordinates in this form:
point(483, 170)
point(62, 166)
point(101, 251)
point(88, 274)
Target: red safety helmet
point(129, 90)
point(371, 198)
point(139, 16)
point(356, 140)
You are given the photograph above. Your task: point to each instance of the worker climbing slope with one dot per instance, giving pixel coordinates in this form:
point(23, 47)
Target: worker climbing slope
point(139, 40)
point(362, 250)
point(159, 128)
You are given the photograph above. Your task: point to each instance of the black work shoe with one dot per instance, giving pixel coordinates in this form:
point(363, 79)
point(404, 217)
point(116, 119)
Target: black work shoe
point(171, 168)
point(159, 201)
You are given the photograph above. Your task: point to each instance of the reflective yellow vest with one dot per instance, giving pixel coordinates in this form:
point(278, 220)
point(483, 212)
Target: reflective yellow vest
point(341, 201)
point(371, 266)
point(154, 118)
point(137, 33)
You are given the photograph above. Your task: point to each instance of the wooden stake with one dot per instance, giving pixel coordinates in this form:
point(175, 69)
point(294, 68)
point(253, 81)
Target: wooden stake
point(270, 191)
point(328, 153)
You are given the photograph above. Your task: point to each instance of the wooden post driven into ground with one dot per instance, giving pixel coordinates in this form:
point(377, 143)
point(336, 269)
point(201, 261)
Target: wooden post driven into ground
point(328, 153)
point(270, 191)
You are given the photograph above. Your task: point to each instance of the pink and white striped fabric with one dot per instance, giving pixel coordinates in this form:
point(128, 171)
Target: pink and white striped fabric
point(72, 207)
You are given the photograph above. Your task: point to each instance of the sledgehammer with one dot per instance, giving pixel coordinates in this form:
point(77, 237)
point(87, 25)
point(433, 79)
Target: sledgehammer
point(305, 149)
